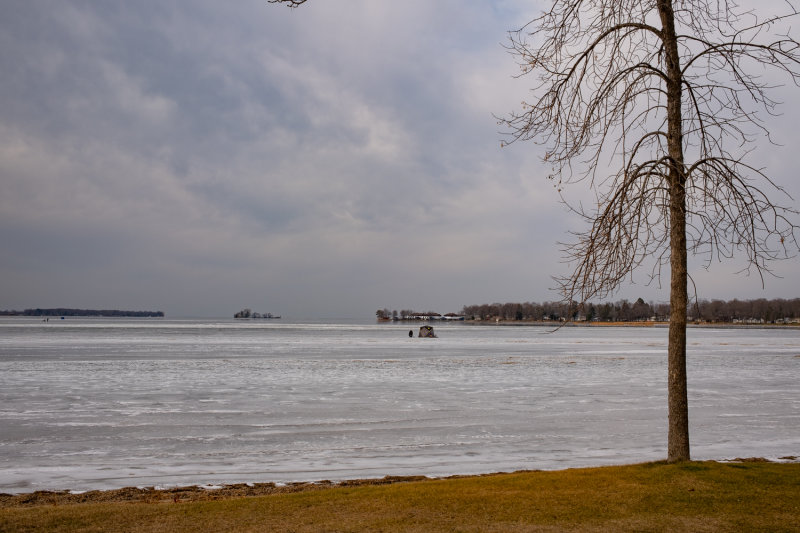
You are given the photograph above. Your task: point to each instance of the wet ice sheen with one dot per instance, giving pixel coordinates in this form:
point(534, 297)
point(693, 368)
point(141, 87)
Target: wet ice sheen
point(87, 404)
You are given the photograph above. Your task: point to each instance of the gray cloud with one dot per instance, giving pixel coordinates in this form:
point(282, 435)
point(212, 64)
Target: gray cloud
point(198, 158)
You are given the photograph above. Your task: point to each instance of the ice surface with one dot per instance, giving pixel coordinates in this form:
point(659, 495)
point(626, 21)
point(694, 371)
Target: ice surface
point(93, 404)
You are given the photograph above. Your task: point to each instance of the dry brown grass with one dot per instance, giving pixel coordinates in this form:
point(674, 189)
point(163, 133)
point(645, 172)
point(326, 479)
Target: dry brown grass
point(698, 497)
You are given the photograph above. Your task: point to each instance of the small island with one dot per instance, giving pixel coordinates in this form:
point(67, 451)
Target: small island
point(246, 314)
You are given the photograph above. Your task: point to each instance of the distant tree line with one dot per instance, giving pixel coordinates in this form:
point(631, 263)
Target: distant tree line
point(408, 314)
point(385, 314)
point(60, 311)
point(735, 311)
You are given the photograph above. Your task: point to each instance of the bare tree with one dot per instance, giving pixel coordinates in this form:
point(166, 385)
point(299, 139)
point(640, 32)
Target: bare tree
point(656, 104)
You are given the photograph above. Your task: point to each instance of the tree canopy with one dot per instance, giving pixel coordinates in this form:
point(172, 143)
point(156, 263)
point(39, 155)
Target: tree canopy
point(601, 106)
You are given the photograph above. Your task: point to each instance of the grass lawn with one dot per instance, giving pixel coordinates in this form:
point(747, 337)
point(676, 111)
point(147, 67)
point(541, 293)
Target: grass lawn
point(695, 496)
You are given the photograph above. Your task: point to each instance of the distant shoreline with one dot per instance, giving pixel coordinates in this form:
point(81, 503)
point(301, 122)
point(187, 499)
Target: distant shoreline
point(82, 313)
point(642, 324)
point(227, 491)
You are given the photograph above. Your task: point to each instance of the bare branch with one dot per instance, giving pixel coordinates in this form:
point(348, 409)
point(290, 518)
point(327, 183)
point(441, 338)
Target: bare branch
point(602, 96)
point(290, 3)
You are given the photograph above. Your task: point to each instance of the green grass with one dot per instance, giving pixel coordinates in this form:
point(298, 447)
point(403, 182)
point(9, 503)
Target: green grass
point(697, 497)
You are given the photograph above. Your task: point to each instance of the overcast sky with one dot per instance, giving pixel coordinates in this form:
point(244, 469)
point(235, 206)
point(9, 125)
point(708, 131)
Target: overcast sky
point(201, 157)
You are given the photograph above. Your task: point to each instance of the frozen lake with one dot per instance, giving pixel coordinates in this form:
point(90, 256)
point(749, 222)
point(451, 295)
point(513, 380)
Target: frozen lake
point(97, 404)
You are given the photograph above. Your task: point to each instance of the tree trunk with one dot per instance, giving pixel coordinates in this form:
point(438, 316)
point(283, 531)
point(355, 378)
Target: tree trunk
point(678, 435)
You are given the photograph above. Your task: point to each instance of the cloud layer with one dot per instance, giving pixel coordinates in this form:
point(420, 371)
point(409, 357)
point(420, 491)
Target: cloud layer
point(197, 158)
